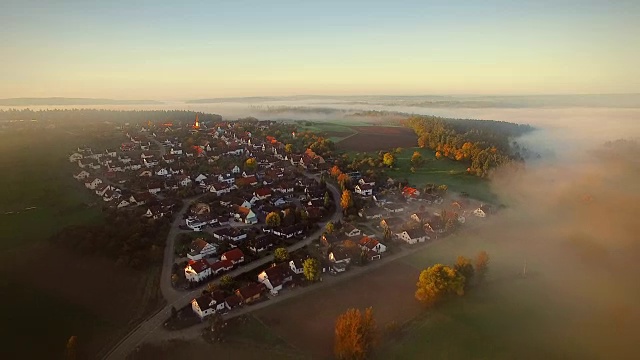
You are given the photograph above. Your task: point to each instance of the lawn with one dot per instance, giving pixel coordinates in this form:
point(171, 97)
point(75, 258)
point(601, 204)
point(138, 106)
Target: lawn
point(442, 171)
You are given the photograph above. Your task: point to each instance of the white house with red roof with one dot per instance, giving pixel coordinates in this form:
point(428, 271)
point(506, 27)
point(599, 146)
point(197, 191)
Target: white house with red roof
point(208, 304)
point(197, 271)
point(235, 256)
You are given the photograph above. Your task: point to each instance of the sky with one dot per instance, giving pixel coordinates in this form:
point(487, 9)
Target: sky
point(201, 49)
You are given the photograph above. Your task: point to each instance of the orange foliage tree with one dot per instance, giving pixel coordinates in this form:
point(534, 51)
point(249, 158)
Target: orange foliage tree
point(355, 334)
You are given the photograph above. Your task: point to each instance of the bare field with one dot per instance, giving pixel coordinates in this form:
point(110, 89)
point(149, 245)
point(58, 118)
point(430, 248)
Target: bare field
point(372, 138)
point(307, 322)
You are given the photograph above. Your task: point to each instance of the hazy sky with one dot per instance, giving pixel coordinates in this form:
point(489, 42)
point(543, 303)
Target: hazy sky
point(191, 49)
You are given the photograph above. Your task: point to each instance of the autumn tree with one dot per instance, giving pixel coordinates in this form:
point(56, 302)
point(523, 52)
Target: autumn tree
point(288, 148)
point(388, 159)
point(482, 264)
point(71, 351)
point(387, 233)
point(416, 159)
point(464, 267)
point(281, 254)
point(343, 181)
point(437, 282)
point(273, 219)
point(329, 227)
point(250, 163)
point(355, 334)
point(227, 281)
point(335, 171)
point(311, 269)
point(327, 200)
point(346, 201)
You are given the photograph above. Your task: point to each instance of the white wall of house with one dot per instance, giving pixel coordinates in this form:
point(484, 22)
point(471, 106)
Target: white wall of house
point(191, 275)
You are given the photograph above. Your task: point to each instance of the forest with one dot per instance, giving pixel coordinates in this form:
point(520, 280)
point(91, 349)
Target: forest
point(483, 144)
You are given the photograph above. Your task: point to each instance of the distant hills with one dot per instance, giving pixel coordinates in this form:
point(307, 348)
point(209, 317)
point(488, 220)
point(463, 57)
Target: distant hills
point(72, 101)
point(452, 101)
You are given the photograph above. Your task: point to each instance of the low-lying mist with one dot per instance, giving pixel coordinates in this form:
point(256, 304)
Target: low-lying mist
point(573, 228)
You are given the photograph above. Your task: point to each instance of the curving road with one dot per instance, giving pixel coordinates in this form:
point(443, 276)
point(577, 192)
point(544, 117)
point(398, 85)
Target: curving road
point(153, 326)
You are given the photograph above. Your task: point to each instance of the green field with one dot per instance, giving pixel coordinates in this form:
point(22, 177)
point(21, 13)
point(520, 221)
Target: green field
point(442, 171)
point(336, 127)
point(37, 173)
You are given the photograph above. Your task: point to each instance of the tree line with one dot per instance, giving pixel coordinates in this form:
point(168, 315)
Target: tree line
point(102, 115)
point(483, 144)
point(132, 241)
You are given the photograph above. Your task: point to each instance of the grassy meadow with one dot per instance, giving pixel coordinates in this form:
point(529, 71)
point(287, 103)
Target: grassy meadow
point(37, 173)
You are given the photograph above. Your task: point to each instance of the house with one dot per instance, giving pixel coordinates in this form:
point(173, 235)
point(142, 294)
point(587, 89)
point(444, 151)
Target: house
point(366, 181)
point(339, 256)
point(82, 175)
point(162, 172)
point(93, 184)
point(251, 292)
point(235, 256)
point(246, 181)
point(262, 243)
point(413, 236)
point(221, 266)
point(184, 180)
point(262, 193)
point(289, 231)
point(371, 244)
point(235, 169)
point(208, 304)
point(110, 152)
point(123, 203)
point(217, 188)
point(232, 301)
point(230, 234)
point(175, 151)
point(275, 277)
point(200, 178)
point(364, 189)
point(200, 249)
point(145, 173)
point(75, 157)
point(351, 230)
point(297, 266)
point(380, 199)
point(482, 211)
point(155, 212)
point(154, 188)
point(226, 178)
point(197, 271)
point(410, 192)
point(246, 215)
point(370, 213)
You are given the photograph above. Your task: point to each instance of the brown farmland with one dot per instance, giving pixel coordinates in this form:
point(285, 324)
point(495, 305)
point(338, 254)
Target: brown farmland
point(373, 138)
point(307, 322)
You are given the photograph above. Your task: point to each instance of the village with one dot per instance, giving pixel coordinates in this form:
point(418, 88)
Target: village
point(255, 211)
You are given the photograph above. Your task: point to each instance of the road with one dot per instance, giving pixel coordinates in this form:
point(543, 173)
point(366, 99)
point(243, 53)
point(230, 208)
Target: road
point(152, 328)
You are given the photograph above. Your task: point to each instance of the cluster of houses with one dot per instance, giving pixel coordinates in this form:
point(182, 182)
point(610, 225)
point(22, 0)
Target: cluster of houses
point(124, 178)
